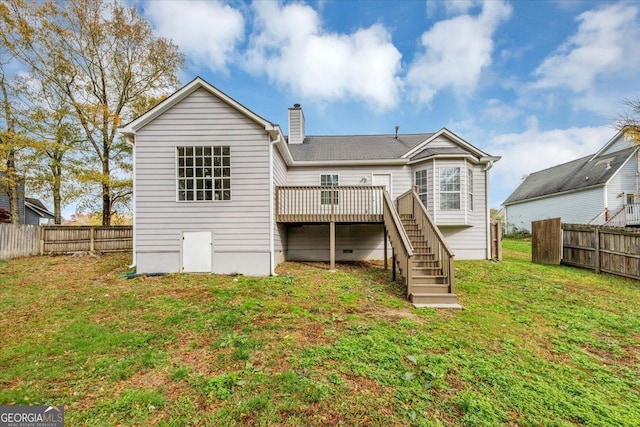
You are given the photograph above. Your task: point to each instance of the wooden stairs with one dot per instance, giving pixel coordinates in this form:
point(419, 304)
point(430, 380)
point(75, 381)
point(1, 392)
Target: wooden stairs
point(429, 285)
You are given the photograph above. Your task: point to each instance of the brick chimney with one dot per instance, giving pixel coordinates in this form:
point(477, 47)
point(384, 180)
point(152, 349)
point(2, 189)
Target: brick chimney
point(296, 124)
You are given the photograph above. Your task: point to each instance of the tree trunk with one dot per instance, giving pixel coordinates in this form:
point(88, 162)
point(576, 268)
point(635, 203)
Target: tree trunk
point(57, 194)
point(106, 187)
point(12, 187)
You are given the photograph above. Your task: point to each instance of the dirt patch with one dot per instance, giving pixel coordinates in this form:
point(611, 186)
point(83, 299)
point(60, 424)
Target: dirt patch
point(148, 380)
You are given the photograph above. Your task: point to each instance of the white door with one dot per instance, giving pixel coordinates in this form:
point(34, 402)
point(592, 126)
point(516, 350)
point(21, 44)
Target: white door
point(383, 179)
point(196, 251)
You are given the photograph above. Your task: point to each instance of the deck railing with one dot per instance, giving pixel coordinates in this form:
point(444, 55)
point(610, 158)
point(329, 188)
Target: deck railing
point(329, 203)
point(409, 204)
point(403, 250)
point(627, 216)
point(632, 212)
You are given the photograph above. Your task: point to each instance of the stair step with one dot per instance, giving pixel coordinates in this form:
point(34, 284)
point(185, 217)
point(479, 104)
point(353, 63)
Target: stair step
point(424, 256)
point(426, 271)
point(435, 300)
point(418, 263)
point(430, 289)
point(427, 280)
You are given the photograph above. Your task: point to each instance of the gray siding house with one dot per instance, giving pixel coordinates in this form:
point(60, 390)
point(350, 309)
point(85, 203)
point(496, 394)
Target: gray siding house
point(218, 188)
point(32, 211)
point(601, 188)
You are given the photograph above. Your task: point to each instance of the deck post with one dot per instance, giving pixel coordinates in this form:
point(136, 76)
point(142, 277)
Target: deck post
point(332, 245)
point(393, 267)
point(386, 260)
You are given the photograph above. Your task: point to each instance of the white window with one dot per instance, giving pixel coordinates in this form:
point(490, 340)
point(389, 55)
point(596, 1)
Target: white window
point(421, 183)
point(329, 197)
point(204, 173)
point(470, 189)
point(449, 188)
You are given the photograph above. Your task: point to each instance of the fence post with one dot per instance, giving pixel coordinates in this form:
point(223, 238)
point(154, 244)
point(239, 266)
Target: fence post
point(596, 260)
point(91, 238)
point(42, 231)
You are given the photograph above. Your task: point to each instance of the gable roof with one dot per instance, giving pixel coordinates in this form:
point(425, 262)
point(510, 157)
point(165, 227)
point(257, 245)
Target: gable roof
point(579, 174)
point(37, 207)
point(355, 147)
point(130, 128)
point(454, 138)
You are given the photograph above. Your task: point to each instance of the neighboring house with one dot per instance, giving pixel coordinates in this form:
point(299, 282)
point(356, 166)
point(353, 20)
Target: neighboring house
point(590, 190)
point(218, 188)
point(32, 211)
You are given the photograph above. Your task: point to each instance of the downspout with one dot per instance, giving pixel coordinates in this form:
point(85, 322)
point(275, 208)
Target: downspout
point(272, 225)
point(131, 140)
point(488, 211)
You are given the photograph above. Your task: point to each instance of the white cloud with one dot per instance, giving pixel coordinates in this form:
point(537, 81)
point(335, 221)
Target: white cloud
point(291, 47)
point(534, 149)
point(456, 51)
point(497, 110)
point(605, 44)
point(207, 32)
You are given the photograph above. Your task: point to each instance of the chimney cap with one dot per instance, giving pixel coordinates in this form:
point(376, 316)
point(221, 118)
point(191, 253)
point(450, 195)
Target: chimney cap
point(296, 105)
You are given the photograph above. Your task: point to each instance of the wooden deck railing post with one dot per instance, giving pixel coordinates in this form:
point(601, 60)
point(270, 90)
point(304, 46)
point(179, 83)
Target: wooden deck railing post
point(386, 260)
point(332, 245)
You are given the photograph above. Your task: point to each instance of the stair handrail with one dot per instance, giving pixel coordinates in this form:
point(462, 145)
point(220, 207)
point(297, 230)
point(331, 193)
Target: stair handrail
point(604, 214)
point(614, 220)
point(400, 242)
point(411, 202)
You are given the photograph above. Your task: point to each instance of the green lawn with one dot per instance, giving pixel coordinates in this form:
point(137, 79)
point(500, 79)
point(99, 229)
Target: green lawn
point(535, 345)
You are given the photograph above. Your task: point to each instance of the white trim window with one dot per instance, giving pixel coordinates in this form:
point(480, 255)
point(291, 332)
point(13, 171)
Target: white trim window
point(470, 189)
point(449, 188)
point(421, 183)
point(204, 173)
point(329, 197)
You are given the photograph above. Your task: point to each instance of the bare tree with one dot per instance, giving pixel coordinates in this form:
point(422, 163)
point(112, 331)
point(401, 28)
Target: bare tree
point(629, 121)
point(102, 57)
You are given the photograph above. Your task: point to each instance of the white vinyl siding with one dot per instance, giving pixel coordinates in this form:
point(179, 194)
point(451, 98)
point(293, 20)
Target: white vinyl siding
point(470, 189)
point(623, 183)
point(573, 208)
point(280, 230)
point(240, 227)
point(617, 145)
point(354, 242)
point(401, 176)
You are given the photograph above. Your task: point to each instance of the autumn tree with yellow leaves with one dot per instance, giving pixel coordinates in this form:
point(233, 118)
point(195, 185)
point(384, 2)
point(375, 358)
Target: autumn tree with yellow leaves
point(103, 61)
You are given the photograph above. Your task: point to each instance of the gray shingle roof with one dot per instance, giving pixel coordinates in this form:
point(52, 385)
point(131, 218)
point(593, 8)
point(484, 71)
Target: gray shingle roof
point(356, 147)
point(570, 176)
point(428, 152)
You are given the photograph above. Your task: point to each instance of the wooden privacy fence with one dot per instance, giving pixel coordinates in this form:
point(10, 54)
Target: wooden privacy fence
point(26, 240)
point(496, 240)
point(546, 241)
point(19, 240)
point(71, 238)
point(602, 249)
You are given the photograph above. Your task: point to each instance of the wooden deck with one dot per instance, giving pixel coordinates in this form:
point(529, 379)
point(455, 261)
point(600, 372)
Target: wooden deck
point(322, 204)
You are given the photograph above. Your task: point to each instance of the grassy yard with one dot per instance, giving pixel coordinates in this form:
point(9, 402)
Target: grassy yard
point(535, 345)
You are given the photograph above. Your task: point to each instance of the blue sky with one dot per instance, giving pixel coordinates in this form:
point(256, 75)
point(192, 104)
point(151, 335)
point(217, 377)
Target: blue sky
point(536, 82)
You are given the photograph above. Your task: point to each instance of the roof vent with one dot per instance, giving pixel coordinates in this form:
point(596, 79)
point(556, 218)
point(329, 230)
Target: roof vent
point(397, 128)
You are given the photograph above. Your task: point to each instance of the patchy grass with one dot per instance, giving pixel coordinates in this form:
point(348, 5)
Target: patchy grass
point(535, 345)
